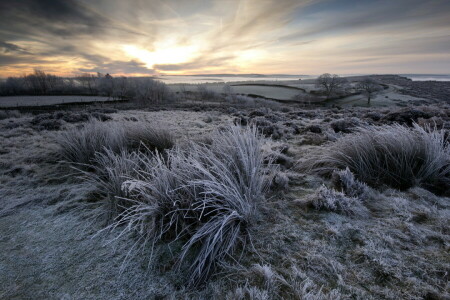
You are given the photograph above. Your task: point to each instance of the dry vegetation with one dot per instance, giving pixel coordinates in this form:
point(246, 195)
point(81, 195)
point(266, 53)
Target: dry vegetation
point(231, 203)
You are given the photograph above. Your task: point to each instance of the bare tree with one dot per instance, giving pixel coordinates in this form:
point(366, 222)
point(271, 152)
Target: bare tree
point(369, 86)
point(14, 85)
point(149, 90)
point(41, 79)
point(121, 87)
point(229, 92)
point(106, 85)
point(204, 93)
point(89, 82)
point(183, 91)
point(330, 83)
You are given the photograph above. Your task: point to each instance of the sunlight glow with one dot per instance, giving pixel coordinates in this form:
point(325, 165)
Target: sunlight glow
point(164, 54)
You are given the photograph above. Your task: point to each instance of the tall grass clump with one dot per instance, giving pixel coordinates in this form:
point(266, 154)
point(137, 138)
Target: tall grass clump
point(144, 137)
point(205, 196)
point(392, 155)
point(79, 145)
point(109, 171)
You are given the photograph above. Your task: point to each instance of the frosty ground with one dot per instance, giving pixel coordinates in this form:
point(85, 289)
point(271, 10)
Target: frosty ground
point(395, 248)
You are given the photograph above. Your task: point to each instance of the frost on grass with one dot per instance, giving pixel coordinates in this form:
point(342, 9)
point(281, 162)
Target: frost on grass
point(141, 135)
point(345, 181)
point(332, 200)
point(80, 145)
point(263, 282)
point(108, 173)
point(392, 155)
point(206, 196)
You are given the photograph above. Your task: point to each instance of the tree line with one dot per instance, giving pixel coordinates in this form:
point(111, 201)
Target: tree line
point(121, 87)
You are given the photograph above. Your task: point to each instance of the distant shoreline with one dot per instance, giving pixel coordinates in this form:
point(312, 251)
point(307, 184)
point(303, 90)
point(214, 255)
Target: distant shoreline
point(197, 78)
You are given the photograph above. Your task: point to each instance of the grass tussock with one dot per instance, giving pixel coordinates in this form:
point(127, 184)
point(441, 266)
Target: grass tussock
point(80, 145)
point(203, 195)
point(391, 155)
point(142, 136)
point(109, 171)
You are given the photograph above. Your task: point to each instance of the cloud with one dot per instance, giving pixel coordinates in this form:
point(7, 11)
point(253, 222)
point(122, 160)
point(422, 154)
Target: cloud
point(400, 15)
point(198, 64)
point(120, 67)
point(11, 48)
point(7, 60)
point(261, 36)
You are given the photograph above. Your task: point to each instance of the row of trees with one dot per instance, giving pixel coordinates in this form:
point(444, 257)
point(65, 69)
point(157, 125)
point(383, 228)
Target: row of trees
point(41, 83)
point(332, 85)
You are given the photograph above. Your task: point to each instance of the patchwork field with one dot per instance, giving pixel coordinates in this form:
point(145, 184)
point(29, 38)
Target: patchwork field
point(258, 88)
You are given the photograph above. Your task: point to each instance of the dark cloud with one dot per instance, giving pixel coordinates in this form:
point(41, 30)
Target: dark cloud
point(11, 48)
point(403, 15)
point(7, 60)
point(120, 67)
point(56, 17)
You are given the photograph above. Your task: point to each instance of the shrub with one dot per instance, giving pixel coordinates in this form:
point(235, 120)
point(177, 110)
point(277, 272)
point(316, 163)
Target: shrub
point(5, 114)
point(344, 181)
point(207, 194)
point(393, 155)
point(48, 124)
point(206, 94)
point(332, 200)
point(344, 125)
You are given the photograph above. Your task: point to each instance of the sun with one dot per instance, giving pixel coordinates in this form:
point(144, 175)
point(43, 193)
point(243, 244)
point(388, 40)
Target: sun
point(164, 54)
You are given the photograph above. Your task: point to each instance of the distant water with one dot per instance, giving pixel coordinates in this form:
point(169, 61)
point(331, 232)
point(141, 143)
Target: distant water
point(427, 77)
point(192, 79)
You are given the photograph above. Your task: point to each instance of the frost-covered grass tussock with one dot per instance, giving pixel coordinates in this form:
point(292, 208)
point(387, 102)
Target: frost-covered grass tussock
point(80, 145)
point(392, 155)
point(108, 172)
point(204, 195)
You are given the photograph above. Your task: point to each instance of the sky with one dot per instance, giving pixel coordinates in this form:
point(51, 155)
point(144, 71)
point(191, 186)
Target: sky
point(151, 37)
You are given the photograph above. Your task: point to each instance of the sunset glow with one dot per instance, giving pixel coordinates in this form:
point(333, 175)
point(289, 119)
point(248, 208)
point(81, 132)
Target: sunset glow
point(224, 36)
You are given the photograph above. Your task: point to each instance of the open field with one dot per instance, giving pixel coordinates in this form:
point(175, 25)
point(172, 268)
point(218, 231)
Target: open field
point(15, 101)
point(263, 89)
point(311, 238)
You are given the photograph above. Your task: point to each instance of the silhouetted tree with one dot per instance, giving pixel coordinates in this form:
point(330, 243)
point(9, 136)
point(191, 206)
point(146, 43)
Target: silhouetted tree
point(330, 84)
point(89, 82)
point(369, 86)
point(229, 93)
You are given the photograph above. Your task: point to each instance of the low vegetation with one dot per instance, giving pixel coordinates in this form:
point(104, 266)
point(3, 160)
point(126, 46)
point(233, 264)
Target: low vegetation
point(206, 195)
point(81, 145)
point(392, 155)
point(108, 172)
point(190, 206)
